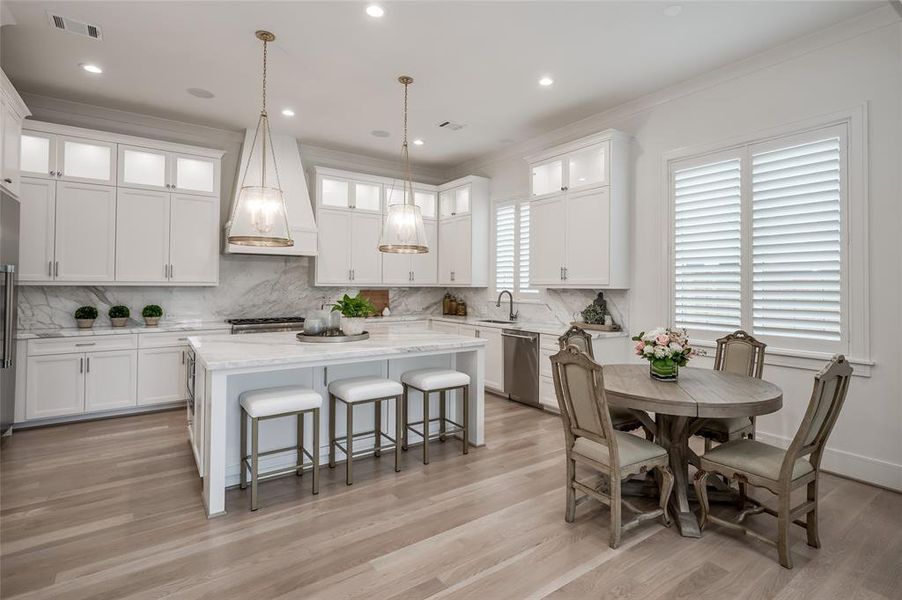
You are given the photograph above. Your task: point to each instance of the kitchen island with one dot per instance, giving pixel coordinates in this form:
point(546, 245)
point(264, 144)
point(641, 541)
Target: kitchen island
point(227, 365)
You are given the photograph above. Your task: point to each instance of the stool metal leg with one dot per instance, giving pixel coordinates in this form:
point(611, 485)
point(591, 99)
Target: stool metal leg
point(466, 419)
point(255, 458)
point(425, 428)
point(399, 427)
point(350, 445)
point(403, 412)
point(315, 451)
point(300, 470)
point(377, 430)
point(441, 416)
point(243, 443)
point(332, 418)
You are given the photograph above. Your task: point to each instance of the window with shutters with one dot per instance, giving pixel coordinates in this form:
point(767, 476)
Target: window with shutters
point(759, 241)
point(512, 249)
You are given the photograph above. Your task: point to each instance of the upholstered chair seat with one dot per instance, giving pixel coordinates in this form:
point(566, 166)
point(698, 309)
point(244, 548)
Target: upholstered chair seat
point(631, 448)
point(757, 458)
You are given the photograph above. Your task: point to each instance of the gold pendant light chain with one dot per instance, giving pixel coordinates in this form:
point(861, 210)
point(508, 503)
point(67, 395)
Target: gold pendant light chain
point(405, 152)
point(265, 44)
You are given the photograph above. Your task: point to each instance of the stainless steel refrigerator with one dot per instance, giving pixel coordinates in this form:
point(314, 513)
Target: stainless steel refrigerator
point(9, 261)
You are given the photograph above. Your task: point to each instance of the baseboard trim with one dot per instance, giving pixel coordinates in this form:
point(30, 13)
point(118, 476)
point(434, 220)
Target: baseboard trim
point(849, 465)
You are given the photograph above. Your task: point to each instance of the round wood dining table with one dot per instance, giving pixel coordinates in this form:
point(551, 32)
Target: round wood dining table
point(680, 407)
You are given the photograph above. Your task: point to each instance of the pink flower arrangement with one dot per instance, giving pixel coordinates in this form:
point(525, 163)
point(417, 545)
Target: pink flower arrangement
point(669, 346)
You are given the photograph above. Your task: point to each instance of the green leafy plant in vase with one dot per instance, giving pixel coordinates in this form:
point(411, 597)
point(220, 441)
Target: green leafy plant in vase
point(119, 315)
point(84, 316)
point(152, 314)
point(353, 311)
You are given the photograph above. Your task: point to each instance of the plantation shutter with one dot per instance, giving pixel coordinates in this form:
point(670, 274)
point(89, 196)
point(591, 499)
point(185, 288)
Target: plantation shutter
point(707, 246)
point(523, 255)
point(796, 251)
point(505, 246)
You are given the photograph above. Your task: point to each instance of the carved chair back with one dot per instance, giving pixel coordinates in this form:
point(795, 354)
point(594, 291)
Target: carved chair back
point(576, 336)
point(830, 387)
point(740, 353)
point(579, 385)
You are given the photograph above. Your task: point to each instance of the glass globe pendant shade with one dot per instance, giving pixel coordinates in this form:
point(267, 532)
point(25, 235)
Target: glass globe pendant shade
point(403, 231)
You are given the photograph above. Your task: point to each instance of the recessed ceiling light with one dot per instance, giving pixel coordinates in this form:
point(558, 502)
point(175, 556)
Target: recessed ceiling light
point(380, 133)
point(91, 68)
point(375, 11)
point(673, 10)
point(287, 112)
point(200, 93)
point(546, 81)
point(418, 142)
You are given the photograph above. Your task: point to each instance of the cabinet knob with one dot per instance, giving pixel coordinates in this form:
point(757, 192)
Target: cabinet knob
point(7, 180)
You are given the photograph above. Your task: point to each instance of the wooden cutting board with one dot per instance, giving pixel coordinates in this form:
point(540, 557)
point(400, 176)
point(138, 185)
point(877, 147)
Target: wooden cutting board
point(379, 298)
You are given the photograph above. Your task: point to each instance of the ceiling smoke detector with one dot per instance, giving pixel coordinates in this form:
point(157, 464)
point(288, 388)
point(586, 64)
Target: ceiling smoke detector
point(77, 27)
point(451, 126)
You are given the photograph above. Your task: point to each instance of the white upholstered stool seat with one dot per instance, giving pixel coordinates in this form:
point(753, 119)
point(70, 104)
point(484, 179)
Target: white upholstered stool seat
point(279, 400)
point(362, 389)
point(435, 379)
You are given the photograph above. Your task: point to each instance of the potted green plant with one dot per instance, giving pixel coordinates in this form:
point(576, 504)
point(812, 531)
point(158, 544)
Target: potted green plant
point(84, 316)
point(353, 313)
point(119, 315)
point(152, 314)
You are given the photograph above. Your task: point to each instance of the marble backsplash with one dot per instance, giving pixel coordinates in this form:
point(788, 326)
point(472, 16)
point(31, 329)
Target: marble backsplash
point(266, 286)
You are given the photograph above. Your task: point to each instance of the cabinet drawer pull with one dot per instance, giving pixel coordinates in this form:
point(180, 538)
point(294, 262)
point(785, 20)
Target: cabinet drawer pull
point(183, 339)
point(56, 269)
point(81, 365)
point(7, 180)
point(86, 344)
point(88, 365)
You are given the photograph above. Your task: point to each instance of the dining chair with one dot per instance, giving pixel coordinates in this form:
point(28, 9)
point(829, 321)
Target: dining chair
point(623, 419)
point(781, 471)
point(590, 439)
point(741, 354)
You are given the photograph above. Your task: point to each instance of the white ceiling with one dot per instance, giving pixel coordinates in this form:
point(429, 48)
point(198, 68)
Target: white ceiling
point(474, 62)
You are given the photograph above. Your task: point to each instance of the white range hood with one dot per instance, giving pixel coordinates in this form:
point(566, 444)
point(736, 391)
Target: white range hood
point(296, 194)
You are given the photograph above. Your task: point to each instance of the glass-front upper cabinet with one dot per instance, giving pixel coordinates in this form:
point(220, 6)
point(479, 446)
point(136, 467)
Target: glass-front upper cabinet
point(367, 196)
point(194, 174)
point(588, 167)
point(455, 201)
point(426, 202)
point(548, 177)
point(38, 154)
point(143, 168)
point(335, 193)
point(86, 160)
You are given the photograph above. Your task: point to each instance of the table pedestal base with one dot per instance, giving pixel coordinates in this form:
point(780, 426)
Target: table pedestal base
point(673, 435)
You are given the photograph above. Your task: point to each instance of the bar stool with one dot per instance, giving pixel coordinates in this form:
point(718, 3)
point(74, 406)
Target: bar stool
point(363, 390)
point(272, 403)
point(428, 381)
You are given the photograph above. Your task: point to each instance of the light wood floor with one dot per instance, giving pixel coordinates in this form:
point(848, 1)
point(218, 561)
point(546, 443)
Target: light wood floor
point(111, 509)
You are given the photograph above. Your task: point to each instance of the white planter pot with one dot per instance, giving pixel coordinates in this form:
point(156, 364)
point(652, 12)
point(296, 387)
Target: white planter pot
point(352, 325)
point(85, 323)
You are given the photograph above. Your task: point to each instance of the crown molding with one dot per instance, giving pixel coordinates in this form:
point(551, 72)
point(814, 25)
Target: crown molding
point(885, 16)
point(322, 156)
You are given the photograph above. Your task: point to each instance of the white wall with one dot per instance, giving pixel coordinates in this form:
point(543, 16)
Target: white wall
point(858, 62)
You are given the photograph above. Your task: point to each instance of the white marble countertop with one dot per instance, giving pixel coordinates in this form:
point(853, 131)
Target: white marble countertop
point(132, 327)
point(217, 352)
point(547, 328)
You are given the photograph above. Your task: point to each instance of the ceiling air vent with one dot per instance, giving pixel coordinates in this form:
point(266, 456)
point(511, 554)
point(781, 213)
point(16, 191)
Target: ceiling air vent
point(451, 126)
point(77, 27)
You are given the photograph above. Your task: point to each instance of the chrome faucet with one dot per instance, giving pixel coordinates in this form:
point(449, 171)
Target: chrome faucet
point(513, 315)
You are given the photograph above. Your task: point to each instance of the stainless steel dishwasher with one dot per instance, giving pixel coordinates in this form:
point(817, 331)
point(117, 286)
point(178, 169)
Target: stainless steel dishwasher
point(521, 366)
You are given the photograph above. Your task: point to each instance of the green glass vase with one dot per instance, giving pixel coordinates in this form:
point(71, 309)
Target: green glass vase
point(663, 370)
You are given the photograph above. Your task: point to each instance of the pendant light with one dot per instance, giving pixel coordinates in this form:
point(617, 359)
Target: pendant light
point(259, 216)
point(403, 231)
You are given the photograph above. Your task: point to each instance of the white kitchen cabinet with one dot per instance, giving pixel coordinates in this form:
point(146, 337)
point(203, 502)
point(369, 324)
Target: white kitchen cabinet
point(494, 357)
point(85, 231)
point(353, 191)
point(38, 155)
point(193, 239)
point(463, 233)
point(12, 112)
point(348, 248)
point(37, 215)
point(110, 380)
point(161, 375)
point(156, 169)
point(55, 386)
point(579, 236)
point(414, 269)
point(86, 160)
point(142, 235)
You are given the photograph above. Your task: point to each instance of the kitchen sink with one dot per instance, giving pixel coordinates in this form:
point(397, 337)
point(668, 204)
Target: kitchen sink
point(497, 321)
